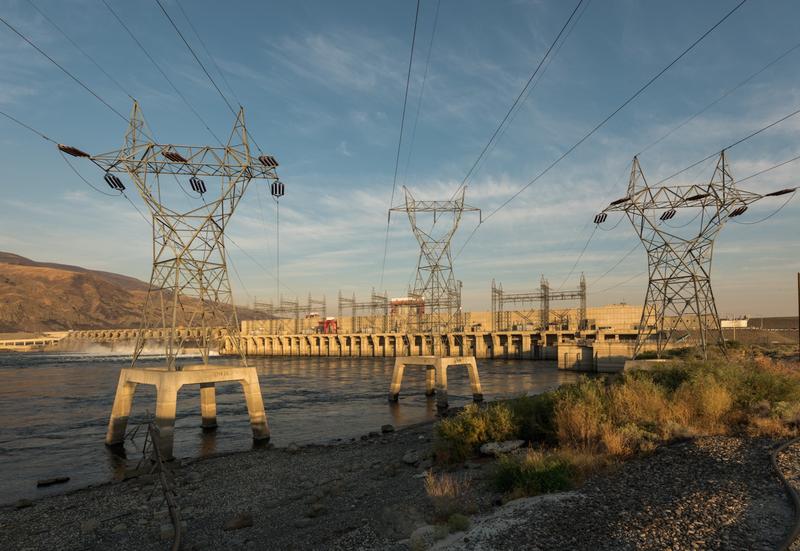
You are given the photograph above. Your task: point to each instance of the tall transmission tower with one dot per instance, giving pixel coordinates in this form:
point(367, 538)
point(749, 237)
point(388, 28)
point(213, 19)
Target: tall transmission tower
point(435, 283)
point(679, 294)
point(189, 284)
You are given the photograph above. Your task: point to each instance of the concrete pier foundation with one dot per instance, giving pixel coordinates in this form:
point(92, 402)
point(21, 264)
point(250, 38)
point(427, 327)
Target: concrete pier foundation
point(435, 376)
point(168, 383)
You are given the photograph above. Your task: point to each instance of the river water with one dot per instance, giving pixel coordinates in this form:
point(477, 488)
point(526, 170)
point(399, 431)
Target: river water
point(54, 409)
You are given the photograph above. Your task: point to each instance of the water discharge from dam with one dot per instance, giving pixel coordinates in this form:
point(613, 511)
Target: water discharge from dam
point(54, 409)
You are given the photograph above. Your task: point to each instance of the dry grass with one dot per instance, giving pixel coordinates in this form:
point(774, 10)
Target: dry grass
point(579, 414)
point(448, 494)
point(590, 424)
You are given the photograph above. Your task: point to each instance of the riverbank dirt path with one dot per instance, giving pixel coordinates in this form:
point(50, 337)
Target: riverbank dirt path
point(709, 493)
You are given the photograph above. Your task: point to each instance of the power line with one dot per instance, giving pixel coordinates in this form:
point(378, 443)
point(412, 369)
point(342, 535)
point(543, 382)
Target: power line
point(203, 67)
point(81, 50)
point(546, 66)
point(640, 274)
point(720, 98)
point(421, 92)
point(769, 215)
point(571, 270)
point(519, 96)
point(620, 261)
point(399, 142)
point(208, 53)
point(57, 64)
point(23, 125)
point(731, 146)
point(603, 122)
point(160, 70)
point(773, 167)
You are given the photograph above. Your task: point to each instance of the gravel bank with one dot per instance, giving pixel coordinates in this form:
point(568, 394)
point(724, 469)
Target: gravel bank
point(709, 493)
point(789, 464)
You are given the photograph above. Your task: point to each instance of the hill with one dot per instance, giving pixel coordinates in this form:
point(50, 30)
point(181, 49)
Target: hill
point(44, 296)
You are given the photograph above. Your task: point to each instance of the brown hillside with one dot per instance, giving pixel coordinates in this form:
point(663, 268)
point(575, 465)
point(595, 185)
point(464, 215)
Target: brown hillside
point(40, 296)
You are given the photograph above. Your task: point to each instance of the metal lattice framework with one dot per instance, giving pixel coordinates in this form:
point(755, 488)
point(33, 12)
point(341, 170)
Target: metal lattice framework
point(189, 285)
point(533, 308)
point(679, 294)
point(370, 316)
point(435, 282)
point(288, 310)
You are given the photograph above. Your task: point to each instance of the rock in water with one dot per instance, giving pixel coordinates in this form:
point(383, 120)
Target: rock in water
point(51, 481)
point(385, 429)
point(240, 520)
point(499, 448)
point(23, 503)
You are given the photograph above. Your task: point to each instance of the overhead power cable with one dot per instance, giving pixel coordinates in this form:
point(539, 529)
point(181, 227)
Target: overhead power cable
point(71, 166)
point(521, 94)
point(65, 71)
point(571, 270)
point(719, 99)
point(208, 53)
point(773, 167)
point(773, 213)
point(620, 284)
point(530, 90)
point(730, 146)
point(603, 122)
point(421, 92)
point(203, 67)
point(23, 125)
point(81, 50)
point(160, 70)
point(399, 142)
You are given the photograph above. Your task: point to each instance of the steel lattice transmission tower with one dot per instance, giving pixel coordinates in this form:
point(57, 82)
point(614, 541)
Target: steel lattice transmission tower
point(189, 284)
point(679, 293)
point(439, 310)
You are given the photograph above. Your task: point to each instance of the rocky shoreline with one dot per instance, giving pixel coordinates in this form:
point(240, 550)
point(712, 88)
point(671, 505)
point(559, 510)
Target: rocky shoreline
point(710, 493)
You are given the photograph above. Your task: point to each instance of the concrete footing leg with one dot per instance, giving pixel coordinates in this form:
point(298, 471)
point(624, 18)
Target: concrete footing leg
point(441, 384)
point(166, 407)
point(430, 380)
point(255, 407)
point(208, 406)
point(474, 380)
point(397, 379)
point(121, 410)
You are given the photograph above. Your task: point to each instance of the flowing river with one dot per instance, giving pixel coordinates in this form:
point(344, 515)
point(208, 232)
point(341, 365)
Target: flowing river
point(54, 409)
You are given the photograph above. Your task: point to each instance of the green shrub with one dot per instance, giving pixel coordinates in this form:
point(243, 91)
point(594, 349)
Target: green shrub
point(533, 473)
point(459, 437)
point(534, 417)
point(458, 523)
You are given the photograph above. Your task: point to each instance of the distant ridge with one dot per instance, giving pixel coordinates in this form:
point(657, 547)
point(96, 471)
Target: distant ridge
point(46, 296)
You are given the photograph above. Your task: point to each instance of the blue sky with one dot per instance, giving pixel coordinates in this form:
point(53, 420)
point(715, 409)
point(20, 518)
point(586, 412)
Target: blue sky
point(322, 84)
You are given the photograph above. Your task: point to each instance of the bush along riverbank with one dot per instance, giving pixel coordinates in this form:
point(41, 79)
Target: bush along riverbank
point(592, 429)
point(589, 426)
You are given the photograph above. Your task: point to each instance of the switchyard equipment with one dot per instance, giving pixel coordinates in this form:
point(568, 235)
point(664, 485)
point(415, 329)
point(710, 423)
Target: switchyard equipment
point(435, 282)
point(189, 295)
point(370, 316)
point(290, 311)
point(534, 309)
point(679, 293)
